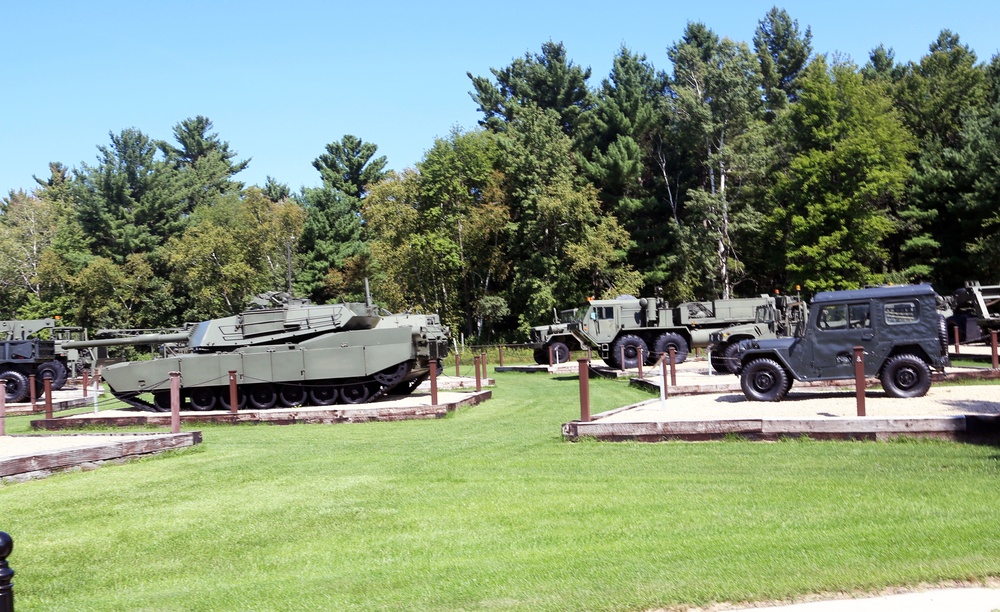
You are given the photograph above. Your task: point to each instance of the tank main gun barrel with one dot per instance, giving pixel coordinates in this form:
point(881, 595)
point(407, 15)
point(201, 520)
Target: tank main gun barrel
point(129, 340)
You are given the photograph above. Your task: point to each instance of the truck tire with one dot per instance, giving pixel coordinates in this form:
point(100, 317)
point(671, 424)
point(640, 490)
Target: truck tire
point(541, 356)
point(906, 376)
point(17, 386)
point(58, 372)
point(725, 361)
point(943, 333)
point(633, 346)
point(560, 353)
point(764, 380)
point(670, 339)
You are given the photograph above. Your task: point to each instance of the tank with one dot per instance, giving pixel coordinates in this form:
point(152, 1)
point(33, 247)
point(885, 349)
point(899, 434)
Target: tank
point(290, 354)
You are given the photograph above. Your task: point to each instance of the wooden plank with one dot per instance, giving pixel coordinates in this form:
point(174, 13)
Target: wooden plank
point(898, 425)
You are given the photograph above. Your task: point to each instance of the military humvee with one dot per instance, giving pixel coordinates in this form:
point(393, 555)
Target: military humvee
point(900, 328)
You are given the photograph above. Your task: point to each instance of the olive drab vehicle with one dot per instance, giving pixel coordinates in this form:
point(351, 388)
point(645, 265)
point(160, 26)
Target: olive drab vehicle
point(900, 329)
point(976, 312)
point(555, 341)
point(35, 347)
point(777, 320)
point(628, 326)
point(290, 354)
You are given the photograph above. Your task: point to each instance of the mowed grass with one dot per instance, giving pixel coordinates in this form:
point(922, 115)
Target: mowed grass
point(490, 509)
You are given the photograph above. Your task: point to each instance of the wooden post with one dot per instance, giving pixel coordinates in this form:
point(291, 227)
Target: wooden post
point(584, 390)
point(663, 378)
point(233, 400)
point(6, 574)
point(86, 381)
point(434, 382)
point(551, 358)
point(673, 367)
point(482, 363)
point(500, 349)
point(956, 340)
point(993, 343)
point(47, 386)
point(458, 366)
point(175, 402)
point(3, 407)
point(859, 378)
point(479, 379)
point(639, 362)
point(31, 392)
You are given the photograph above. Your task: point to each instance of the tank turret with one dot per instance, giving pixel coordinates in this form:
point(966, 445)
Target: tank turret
point(286, 353)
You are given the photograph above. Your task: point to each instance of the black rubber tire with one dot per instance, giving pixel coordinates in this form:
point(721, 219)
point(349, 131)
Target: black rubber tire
point(671, 339)
point(203, 398)
point(633, 346)
point(356, 393)
point(943, 334)
point(262, 396)
point(291, 396)
point(58, 372)
point(323, 395)
point(731, 358)
point(906, 376)
point(17, 386)
point(764, 380)
point(161, 401)
point(541, 356)
point(560, 353)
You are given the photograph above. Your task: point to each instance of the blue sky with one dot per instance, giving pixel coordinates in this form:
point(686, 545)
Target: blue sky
point(280, 80)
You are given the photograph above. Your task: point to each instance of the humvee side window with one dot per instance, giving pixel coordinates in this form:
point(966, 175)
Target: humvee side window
point(898, 313)
point(844, 316)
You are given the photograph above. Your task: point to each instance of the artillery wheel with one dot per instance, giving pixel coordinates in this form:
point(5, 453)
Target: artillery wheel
point(17, 386)
point(57, 371)
point(241, 398)
point(541, 356)
point(393, 374)
point(161, 401)
point(670, 339)
point(764, 380)
point(633, 346)
point(263, 396)
point(560, 353)
point(292, 395)
point(323, 395)
point(906, 376)
point(356, 393)
point(203, 398)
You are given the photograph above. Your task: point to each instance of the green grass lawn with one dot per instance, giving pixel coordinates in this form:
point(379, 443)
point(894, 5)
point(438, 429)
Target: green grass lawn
point(490, 509)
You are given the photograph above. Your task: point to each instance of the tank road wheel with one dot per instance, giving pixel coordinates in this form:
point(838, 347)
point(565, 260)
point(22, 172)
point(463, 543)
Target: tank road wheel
point(58, 372)
point(241, 398)
point(203, 398)
point(764, 380)
point(671, 339)
point(391, 376)
point(263, 396)
point(632, 346)
point(17, 386)
point(560, 353)
point(292, 395)
point(356, 393)
point(161, 401)
point(906, 376)
point(323, 395)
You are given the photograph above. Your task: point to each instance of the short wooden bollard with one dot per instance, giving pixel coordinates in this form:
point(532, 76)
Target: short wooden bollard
point(500, 359)
point(859, 378)
point(479, 379)
point(584, 390)
point(673, 366)
point(956, 340)
point(47, 389)
point(458, 366)
point(3, 407)
point(175, 402)
point(639, 361)
point(6, 574)
point(86, 381)
point(623, 358)
point(31, 392)
point(434, 382)
point(551, 358)
point(482, 363)
point(234, 402)
point(993, 343)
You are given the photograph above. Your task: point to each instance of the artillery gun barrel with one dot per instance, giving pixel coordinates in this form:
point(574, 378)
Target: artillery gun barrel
point(130, 340)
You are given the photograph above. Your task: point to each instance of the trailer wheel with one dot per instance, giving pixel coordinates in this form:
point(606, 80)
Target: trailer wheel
point(906, 376)
point(57, 371)
point(671, 339)
point(764, 380)
point(17, 386)
point(560, 353)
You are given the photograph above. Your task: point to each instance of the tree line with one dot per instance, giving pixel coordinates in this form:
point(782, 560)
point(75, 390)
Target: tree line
point(746, 168)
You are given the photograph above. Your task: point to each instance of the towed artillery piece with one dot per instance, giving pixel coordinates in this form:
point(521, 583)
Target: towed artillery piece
point(293, 354)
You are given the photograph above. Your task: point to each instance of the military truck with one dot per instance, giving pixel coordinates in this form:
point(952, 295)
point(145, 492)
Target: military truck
point(777, 320)
point(555, 336)
point(900, 329)
point(632, 326)
point(63, 362)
